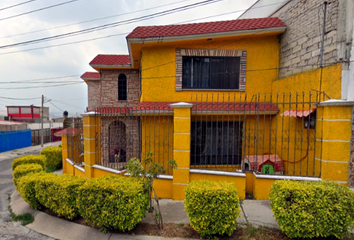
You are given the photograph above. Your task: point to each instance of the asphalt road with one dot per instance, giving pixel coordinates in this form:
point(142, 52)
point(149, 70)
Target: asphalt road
point(9, 229)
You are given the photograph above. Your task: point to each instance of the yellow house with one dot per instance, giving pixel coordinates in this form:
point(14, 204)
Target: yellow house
point(208, 95)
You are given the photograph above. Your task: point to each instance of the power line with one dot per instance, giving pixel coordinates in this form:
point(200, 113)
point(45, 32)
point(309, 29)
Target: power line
point(37, 10)
point(92, 20)
point(119, 34)
point(57, 85)
point(65, 44)
point(66, 104)
point(231, 42)
point(56, 106)
point(10, 98)
point(114, 24)
point(18, 4)
point(38, 79)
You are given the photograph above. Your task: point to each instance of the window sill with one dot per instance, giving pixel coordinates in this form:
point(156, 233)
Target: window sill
point(212, 90)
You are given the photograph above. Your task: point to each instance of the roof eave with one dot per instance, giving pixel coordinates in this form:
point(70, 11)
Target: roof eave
point(206, 35)
point(116, 66)
point(90, 79)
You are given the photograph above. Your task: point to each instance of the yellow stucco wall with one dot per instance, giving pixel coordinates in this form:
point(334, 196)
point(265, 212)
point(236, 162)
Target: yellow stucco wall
point(70, 170)
point(261, 188)
point(310, 81)
point(159, 66)
point(157, 137)
point(240, 182)
point(79, 173)
point(163, 188)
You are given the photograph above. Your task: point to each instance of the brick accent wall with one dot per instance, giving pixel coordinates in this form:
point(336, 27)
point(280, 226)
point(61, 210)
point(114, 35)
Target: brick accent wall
point(300, 44)
point(211, 53)
point(351, 163)
point(93, 93)
point(112, 137)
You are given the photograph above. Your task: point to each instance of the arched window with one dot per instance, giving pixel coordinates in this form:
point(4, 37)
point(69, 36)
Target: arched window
point(122, 87)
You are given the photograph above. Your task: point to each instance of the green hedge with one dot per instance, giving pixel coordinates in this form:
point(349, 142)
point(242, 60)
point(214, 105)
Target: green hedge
point(25, 169)
point(312, 209)
point(113, 202)
point(26, 188)
point(212, 207)
point(53, 157)
point(59, 193)
point(38, 159)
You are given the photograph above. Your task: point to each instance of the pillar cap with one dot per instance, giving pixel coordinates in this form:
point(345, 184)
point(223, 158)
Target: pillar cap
point(335, 103)
point(181, 105)
point(88, 114)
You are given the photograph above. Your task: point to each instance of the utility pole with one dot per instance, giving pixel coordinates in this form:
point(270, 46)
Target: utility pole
point(323, 34)
point(42, 121)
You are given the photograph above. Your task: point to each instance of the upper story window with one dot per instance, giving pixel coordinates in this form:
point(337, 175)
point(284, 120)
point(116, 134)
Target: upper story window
point(203, 69)
point(210, 72)
point(122, 87)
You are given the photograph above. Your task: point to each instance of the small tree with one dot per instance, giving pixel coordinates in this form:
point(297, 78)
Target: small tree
point(146, 170)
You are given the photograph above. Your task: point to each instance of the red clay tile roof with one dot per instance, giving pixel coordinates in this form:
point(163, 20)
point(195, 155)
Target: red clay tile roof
point(206, 27)
point(102, 59)
point(68, 131)
point(211, 106)
point(91, 75)
point(109, 110)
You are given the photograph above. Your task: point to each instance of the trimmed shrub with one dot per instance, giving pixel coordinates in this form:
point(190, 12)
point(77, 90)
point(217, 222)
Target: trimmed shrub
point(59, 193)
point(38, 159)
point(212, 207)
point(113, 202)
point(25, 169)
point(26, 188)
point(312, 209)
point(53, 157)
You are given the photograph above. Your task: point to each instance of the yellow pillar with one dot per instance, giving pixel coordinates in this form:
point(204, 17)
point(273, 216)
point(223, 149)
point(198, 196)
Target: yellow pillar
point(64, 145)
point(181, 147)
point(333, 140)
point(90, 151)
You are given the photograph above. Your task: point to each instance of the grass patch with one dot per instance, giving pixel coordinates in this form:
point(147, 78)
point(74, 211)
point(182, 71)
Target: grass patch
point(25, 218)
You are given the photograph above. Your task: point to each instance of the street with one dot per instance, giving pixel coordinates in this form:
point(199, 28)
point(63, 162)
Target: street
point(8, 228)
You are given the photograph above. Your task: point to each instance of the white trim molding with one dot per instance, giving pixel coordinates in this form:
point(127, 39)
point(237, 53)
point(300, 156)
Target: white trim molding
point(108, 169)
point(79, 168)
point(280, 177)
point(221, 173)
point(70, 162)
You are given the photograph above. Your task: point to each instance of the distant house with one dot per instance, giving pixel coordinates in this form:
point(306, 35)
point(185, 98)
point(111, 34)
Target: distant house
point(27, 113)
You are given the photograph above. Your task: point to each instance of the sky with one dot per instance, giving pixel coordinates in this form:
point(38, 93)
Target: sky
point(53, 67)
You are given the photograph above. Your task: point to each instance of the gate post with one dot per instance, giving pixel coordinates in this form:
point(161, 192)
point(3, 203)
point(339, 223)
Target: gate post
point(181, 147)
point(333, 140)
point(64, 145)
point(89, 128)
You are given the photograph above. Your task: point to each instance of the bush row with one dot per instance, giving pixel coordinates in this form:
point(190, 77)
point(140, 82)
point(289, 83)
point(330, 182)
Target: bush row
point(312, 209)
point(37, 159)
point(110, 202)
point(212, 207)
point(25, 169)
point(53, 157)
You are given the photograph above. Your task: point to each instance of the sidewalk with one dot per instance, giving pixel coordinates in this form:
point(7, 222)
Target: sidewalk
point(257, 213)
point(27, 150)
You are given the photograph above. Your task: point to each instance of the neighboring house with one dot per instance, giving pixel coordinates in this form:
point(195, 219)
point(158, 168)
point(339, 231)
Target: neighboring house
point(210, 96)
point(14, 135)
point(27, 113)
point(300, 52)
